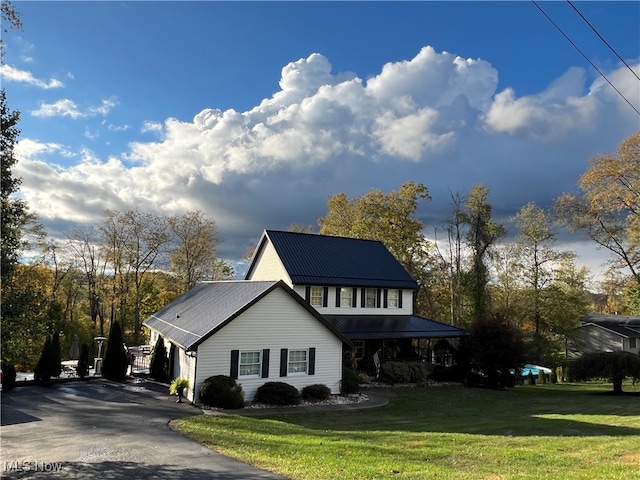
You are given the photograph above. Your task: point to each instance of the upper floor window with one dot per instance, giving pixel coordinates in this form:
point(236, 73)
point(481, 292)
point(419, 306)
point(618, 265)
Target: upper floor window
point(392, 299)
point(317, 296)
point(250, 364)
point(346, 297)
point(371, 298)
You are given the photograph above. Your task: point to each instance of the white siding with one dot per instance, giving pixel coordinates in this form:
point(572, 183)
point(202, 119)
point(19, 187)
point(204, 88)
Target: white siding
point(268, 266)
point(331, 309)
point(277, 321)
point(187, 369)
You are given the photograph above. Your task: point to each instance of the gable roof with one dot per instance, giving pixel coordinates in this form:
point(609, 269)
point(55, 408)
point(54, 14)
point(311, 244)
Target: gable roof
point(312, 259)
point(193, 317)
point(623, 325)
point(369, 327)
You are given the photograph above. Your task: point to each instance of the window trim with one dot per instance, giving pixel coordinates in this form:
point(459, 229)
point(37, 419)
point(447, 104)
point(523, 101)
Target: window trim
point(306, 361)
point(343, 303)
point(315, 289)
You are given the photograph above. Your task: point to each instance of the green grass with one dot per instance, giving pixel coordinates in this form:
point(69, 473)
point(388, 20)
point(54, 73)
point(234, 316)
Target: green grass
point(554, 432)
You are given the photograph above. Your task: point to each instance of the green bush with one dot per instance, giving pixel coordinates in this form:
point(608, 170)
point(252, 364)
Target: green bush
point(159, 363)
point(350, 382)
point(83, 361)
point(418, 372)
point(277, 393)
point(316, 392)
point(395, 372)
point(531, 378)
point(221, 391)
point(115, 363)
point(8, 377)
point(43, 371)
point(442, 373)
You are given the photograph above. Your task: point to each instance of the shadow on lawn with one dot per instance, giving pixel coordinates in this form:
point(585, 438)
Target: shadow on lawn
point(516, 412)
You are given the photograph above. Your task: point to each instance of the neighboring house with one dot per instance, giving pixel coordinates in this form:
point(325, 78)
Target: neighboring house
point(361, 290)
point(606, 333)
point(252, 331)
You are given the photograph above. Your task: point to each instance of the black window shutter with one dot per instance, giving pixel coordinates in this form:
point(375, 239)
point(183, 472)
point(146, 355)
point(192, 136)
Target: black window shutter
point(325, 296)
point(362, 297)
point(385, 298)
point(265, 363)
point(337, 296)
point(399, 298)
point(284, 357)
point(307, 294)
point(354, 298)
point(312, 361)
point(378, 295)
point(235, 358)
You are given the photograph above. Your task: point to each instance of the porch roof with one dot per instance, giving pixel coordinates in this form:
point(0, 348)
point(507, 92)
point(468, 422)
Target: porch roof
point(371, 327)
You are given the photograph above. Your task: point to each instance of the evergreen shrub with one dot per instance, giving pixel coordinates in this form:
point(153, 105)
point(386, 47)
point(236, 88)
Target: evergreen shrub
point(159, 363)
point(277, 393)
point(350, 382)
point(8, 376)
point(83, 361)
point(221, 391)
point(115, 363)
point(315, 393)
point(395, 372)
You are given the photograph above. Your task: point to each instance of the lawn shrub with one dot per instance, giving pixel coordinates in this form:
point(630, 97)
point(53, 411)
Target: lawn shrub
point(277, 393)
point(221, 391)
point(349, 383)
point(395, 372)
point(315, 393)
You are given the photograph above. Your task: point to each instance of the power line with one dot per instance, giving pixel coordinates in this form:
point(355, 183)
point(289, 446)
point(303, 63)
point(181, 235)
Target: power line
point(585, 57)
point(600, 37)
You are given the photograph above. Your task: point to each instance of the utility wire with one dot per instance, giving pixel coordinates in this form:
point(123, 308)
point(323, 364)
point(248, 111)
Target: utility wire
point(600, 37)
point(585, 57)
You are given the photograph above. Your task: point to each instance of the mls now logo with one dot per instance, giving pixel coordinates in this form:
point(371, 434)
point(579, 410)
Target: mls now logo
point(33, 466)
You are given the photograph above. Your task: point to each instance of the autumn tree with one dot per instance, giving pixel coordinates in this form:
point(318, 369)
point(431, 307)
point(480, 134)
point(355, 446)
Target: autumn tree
point(194, 257)
point(390, 218)
point(607, 208)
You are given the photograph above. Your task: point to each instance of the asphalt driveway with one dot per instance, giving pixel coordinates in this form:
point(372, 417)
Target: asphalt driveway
point(105, 430)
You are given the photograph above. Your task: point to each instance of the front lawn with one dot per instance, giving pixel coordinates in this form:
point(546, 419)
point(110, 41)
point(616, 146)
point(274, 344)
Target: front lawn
point(554, 432)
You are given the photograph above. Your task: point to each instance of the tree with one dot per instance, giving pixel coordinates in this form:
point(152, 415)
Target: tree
point(45, 368)
point(390, 218)
point(195, 256)
point(493, 353)
point(159, 363)
point(482, 233)
point(614, 366)
point(56, 357)
point(83, 361)
point(607, 208)
point(115, 363)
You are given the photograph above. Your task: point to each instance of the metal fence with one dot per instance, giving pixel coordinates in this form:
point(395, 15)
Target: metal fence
point(139, 359)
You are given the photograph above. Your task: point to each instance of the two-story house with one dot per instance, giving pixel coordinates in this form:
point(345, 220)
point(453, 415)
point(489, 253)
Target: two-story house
point(308, 305)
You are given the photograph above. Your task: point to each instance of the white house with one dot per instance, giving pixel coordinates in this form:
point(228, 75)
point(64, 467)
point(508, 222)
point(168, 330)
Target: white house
point(252, 331)
point(361, 289)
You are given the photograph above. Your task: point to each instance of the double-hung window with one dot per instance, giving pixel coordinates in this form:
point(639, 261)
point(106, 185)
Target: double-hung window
point(250, 364)
point(297, 362)
point(371, 298)
point(346, 297)
point(392, 299)
point(317, 296)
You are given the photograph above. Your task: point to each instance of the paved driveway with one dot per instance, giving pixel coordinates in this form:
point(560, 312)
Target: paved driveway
point(105, 430)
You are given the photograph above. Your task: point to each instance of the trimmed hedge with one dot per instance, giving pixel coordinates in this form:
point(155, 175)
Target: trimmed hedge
point(277, 393)
point(221, 391)
point(316, 392)
point(400, 372)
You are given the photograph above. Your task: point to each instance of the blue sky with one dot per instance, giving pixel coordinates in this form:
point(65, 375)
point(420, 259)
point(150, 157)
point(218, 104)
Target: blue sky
point(256, 112)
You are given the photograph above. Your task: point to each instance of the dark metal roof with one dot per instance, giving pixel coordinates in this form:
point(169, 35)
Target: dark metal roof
point(312, 259)
point(207, 307)
point(624, 325)
point(369, 327)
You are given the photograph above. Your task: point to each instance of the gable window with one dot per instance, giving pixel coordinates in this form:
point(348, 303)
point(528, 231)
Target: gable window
point(297, 362)
point(250, 364)
point(317, 296)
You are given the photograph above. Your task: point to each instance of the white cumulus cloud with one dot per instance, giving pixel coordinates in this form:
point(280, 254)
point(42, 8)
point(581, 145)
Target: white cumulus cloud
point(13, 74)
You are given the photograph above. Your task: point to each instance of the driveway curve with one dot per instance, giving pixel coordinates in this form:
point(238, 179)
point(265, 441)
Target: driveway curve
point(102, 429)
